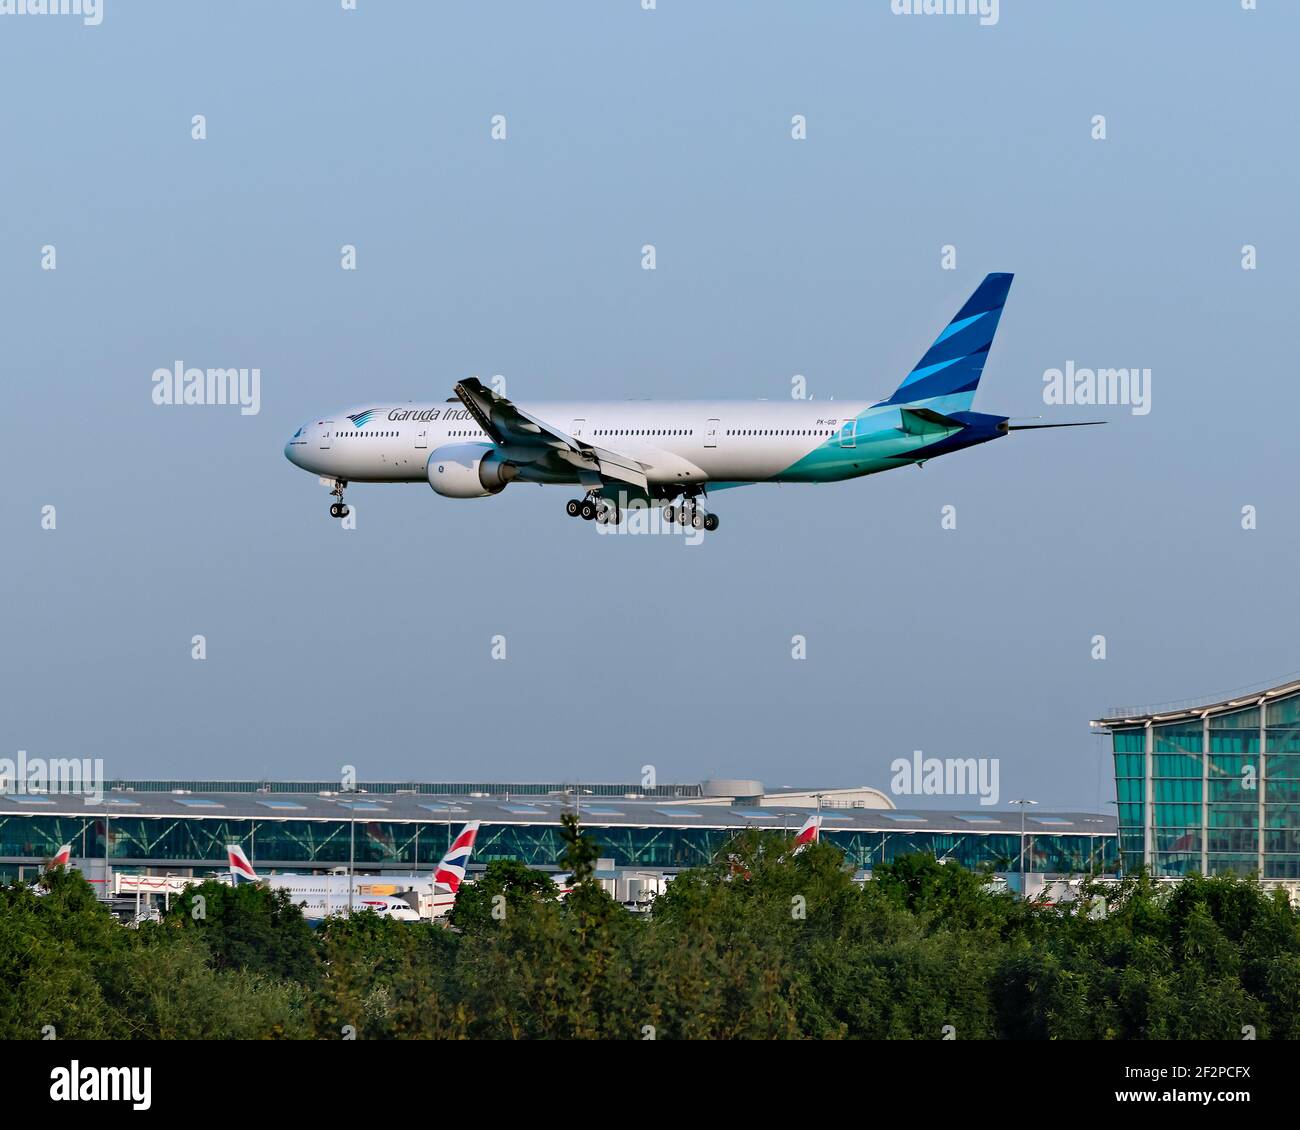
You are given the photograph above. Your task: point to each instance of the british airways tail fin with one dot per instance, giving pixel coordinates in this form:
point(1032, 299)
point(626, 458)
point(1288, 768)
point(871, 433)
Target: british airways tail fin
point(951, 368)
point(810, 833)
point(450, 872)
point(241, 871)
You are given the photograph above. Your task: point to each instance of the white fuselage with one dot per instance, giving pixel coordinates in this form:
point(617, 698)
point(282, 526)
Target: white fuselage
point(321, 896)
point(683, 442)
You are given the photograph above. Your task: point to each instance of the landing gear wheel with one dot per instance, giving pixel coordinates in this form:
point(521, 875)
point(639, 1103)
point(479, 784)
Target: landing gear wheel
point(337, 509)
point(573, 507)
point(587, 510)
point(670, 514)
point(710, 522)
point(697, 520)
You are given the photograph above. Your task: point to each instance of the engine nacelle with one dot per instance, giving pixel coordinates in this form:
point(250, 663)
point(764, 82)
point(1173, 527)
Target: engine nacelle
point(468, 470)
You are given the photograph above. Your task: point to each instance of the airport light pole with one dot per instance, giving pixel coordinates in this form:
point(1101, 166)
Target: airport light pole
point(352, 855)
point(1092, 843)
point(1022, 805)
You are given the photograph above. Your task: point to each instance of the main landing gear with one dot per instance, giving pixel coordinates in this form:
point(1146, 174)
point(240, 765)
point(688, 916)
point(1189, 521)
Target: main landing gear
point(606, 512)
point(688, 513)
point(338, 509)
point(594, 508)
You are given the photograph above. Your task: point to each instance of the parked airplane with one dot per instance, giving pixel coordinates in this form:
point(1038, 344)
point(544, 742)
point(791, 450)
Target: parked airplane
point(810, 833)
point(669, 453)
point(61, 858)
point(323, 895)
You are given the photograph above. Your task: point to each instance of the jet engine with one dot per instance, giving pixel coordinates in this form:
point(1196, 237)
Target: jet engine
point(468, 470)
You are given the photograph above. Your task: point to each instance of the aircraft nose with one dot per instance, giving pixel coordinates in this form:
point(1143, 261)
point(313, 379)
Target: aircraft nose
point(297, 443)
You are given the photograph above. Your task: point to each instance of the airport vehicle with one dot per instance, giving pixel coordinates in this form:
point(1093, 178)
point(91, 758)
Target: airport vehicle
point(669, 454)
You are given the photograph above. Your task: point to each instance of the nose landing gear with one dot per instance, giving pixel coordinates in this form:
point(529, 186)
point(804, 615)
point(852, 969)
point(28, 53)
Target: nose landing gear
point(339, 509)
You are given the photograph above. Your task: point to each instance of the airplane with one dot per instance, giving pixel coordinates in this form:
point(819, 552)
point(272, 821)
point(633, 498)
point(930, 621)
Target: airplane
point(61, 858)
point(810, 833)
point(241, 871)
point(315, 894)
point(320, 895)
point(665, 453)
point(450, 872)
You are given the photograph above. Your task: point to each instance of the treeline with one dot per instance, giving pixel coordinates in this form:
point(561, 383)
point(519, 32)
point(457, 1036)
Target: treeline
point(765, 945)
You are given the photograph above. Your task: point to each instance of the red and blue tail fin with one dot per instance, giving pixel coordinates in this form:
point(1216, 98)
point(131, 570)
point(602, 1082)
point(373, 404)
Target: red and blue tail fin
point(810, 833)
point(241, 871)
point(451, 871)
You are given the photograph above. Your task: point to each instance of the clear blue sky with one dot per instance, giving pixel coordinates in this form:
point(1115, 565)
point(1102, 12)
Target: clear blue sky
point(775, 257)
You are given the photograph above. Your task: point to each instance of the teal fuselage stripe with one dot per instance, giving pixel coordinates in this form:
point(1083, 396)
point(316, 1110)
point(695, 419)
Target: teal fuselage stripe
point(880, 443)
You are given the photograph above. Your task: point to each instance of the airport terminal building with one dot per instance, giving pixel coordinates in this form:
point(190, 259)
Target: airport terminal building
point(179, 828)
point(1212, 788)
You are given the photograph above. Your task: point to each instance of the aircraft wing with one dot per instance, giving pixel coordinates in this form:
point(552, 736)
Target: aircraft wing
point(510, 426)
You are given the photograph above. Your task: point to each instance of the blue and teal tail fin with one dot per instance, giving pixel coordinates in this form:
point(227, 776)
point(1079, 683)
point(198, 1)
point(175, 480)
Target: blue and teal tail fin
point(951, 369)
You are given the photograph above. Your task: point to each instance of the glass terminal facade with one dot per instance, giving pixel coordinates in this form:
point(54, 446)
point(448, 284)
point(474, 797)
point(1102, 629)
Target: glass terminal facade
point(1214, 790)
point(132, 842)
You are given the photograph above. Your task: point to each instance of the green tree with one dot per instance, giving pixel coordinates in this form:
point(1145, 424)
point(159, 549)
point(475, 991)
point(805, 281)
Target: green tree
point(249, 927)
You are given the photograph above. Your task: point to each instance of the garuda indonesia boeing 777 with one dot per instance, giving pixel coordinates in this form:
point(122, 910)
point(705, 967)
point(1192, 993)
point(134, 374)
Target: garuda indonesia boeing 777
point(671, 452)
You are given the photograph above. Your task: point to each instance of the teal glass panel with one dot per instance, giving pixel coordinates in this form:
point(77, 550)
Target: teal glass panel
point(1284, 712)
point(1129, 741)
point(1176, 765)
point(1172, 789)
point(1130, 765)
point(1177, 737)
point(1247, 719)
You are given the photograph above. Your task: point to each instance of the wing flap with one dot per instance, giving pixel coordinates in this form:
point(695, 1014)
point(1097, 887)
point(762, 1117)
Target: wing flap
point(507, 423)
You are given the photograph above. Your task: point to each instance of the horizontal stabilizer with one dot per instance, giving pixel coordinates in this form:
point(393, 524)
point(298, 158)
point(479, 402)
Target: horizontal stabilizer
point(924, 421)
point(1035, 427)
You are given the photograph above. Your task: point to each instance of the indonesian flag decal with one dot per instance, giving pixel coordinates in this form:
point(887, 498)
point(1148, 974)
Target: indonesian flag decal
point(810, 833)
point(62, 857)
point(241, 871)
point(451, 871)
